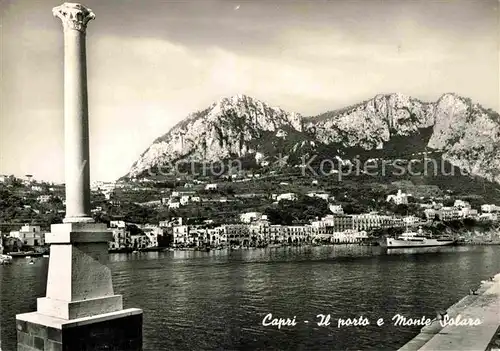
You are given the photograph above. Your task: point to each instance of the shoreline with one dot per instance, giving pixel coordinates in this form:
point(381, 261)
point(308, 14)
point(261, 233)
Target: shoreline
point(484, 303)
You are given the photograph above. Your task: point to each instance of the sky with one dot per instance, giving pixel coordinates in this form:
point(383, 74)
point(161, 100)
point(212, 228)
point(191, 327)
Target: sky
point(152, 62)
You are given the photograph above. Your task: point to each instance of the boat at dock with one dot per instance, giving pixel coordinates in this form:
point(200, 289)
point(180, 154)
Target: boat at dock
point(411, 239)
point(5, 259)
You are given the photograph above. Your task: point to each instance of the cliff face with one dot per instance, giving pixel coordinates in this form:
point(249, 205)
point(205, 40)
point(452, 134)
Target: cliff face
point(240, 126)
point(228, 128)
point(469, 135)
point(375, 121)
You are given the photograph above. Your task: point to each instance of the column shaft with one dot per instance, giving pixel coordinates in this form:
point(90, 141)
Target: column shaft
point(76, 129)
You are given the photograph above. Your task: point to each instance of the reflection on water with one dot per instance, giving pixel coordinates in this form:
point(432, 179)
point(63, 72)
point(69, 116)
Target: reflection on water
point(422, 250)
point(217, 300)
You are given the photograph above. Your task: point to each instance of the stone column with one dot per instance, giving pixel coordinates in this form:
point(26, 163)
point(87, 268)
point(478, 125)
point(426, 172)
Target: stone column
point(80, 310)
point(74, 19)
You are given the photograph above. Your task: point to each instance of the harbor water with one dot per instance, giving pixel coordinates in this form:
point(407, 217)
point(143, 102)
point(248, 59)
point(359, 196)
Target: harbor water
point(217, 300)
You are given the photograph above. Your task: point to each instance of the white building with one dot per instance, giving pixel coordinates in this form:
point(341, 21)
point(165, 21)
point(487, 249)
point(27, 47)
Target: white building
point(489, 216)
point(184, 200)
point(286, 196)
point(430, 213)
point(211, 187)
point(30, 235)
point(399, 199)
point(323, 196)
point(336, 209)
point(174, 205)
point(490, 208)
point(121, 238)
point(152, 232)
point(181, 235)
point(461, 204)
point(448, 213)
point(237, 234)
point(410, 220)
point(117, 224)
point(250, 217)
point(43, 198)
point(467, 212)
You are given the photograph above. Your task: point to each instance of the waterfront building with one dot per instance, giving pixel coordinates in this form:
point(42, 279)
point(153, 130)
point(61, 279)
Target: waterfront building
point(339, 223)
point(139, 241)
point(368, 221)
point(180, 235)
point(30, 235)
point(297, 233)
point(276, 233)
point(448, 214)
point(121, 239)
point(237, 234)
point(259, 230)
point(153, 232)
point(215, 237)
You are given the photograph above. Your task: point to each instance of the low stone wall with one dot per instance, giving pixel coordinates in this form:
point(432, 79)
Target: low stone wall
point(484, 304)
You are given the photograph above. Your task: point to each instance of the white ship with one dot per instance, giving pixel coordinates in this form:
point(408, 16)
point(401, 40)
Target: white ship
point(417, 239)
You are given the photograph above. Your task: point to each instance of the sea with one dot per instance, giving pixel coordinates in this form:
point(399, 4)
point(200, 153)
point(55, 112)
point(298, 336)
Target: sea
point(234, 299)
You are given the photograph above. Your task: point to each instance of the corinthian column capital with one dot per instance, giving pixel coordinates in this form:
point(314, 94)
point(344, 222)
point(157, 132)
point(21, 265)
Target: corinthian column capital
point(73, 16)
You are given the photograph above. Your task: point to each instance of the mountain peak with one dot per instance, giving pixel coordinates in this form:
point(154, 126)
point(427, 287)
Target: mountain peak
point(242, 126)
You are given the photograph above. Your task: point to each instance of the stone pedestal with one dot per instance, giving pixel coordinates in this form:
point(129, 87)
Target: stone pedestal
point(118, 331)
point(80, 310)
point(79, 282)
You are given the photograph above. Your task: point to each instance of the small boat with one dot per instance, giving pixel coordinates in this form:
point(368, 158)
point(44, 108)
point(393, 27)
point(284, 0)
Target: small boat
point(5, 259)
point(135, 251)
point(28, 257)
point(31, 262)
point(45, 256)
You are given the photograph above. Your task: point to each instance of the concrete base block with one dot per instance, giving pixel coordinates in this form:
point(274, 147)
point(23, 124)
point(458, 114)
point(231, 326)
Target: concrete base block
point(79, 309)
point(79, 282)
point(120, 330)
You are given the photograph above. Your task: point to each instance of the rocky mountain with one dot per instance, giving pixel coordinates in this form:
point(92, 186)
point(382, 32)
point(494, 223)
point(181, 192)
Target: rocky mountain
point(465, 134)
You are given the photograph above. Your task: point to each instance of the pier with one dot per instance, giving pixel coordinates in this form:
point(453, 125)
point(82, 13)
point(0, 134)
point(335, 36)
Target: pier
point(483, 304)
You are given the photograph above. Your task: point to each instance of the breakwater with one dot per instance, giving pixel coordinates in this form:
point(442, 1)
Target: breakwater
point(481, 304)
